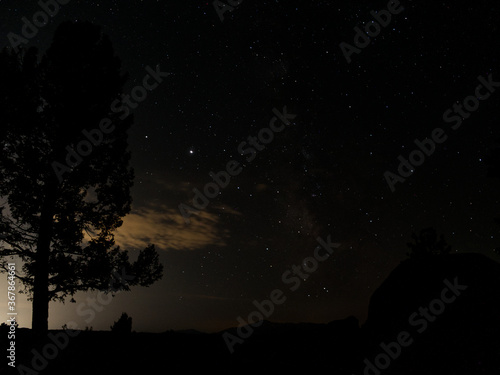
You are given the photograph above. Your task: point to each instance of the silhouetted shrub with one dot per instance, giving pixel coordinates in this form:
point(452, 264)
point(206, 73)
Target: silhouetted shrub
point(122, 325)
point(427, 244)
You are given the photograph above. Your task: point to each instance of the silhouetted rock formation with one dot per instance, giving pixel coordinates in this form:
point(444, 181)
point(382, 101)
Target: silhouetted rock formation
point(459, 334)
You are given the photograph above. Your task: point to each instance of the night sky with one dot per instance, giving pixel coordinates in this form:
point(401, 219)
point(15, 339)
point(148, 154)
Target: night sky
point(323, 175)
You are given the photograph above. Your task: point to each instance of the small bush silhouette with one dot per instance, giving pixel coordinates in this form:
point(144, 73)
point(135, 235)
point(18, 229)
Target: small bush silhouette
point(122, 325)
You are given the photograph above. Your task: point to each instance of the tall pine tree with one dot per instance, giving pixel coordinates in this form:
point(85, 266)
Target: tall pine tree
point(59, 213)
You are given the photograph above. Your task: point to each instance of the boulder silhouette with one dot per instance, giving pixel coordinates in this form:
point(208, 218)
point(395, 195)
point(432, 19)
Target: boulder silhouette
point(449, 307)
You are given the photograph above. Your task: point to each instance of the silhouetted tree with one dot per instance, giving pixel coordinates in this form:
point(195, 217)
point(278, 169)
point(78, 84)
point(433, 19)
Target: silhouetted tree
point(122, 325)
point(59, 212)
point(427, 244)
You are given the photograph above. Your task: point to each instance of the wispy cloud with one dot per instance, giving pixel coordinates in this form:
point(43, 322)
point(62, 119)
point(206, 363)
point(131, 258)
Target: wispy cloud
point(166, 228)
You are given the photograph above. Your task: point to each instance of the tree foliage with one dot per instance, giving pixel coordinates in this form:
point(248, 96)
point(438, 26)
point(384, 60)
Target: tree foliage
point(427, 244)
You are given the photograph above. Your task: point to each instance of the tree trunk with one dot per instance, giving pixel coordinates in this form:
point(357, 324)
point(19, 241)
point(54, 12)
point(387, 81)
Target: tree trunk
point(40, 317)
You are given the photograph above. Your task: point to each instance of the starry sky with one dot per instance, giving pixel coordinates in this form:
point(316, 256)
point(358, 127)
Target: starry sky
point(323, 175)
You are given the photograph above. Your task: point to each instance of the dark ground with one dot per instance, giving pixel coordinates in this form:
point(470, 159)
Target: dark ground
point(462, 339)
